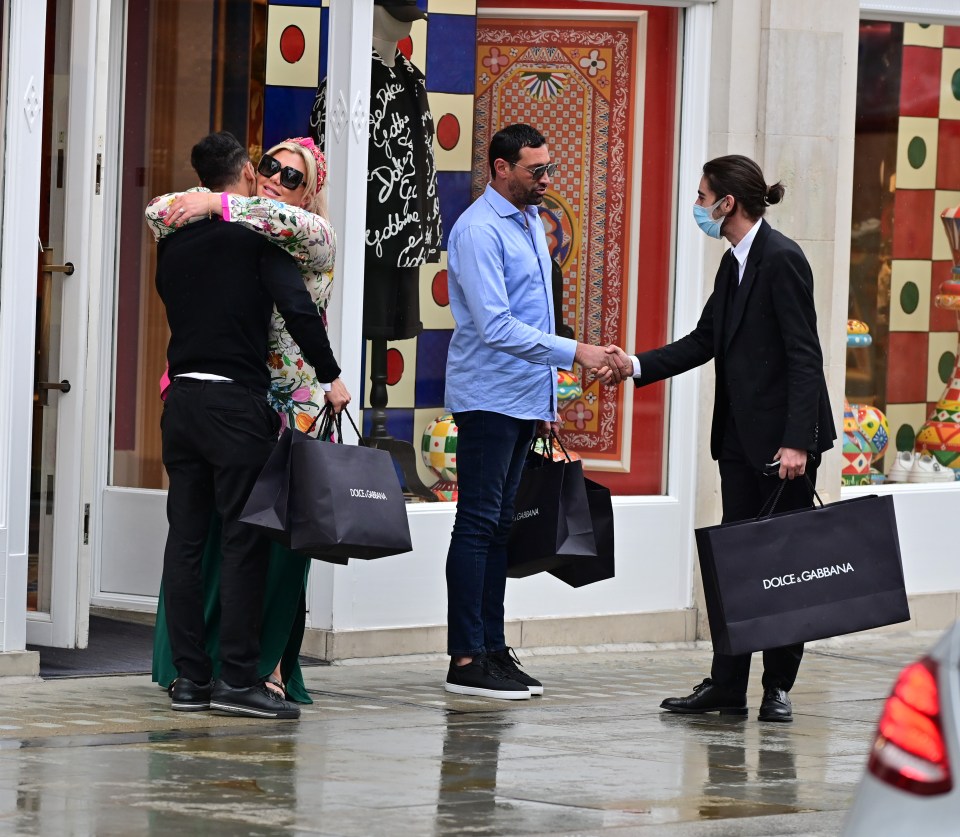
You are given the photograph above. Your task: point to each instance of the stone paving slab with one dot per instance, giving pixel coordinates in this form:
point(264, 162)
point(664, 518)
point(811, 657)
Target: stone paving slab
point(385, 751)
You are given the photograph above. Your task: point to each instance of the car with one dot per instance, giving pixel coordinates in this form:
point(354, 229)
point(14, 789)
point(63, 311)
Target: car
point(910, 786)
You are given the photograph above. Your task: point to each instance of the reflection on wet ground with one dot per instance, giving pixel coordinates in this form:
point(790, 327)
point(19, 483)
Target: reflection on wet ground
point(384, 751)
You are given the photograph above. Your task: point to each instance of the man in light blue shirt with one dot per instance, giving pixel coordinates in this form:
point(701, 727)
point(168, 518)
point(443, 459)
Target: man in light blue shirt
point(501, 387)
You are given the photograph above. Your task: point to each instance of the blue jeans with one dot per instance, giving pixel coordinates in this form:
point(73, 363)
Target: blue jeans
point(491, 450)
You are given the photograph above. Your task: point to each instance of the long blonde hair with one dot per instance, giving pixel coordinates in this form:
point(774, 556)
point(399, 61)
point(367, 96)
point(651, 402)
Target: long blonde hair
point(314, 199)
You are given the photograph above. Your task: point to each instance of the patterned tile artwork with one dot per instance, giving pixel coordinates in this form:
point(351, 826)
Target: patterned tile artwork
point(928, 180)
point(921, 346)
point(574, 79)
point(582, 89)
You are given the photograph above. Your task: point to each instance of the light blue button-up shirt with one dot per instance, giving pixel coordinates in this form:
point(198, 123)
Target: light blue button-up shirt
point(504, 355)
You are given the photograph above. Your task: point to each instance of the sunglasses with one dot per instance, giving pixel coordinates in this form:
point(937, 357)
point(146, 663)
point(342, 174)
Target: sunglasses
point(290, 178)
point(548, 169)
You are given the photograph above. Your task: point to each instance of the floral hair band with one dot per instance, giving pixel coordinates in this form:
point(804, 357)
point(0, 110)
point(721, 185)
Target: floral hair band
point(311, 146)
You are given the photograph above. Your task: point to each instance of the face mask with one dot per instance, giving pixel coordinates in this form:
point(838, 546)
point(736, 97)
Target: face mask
point(702, 215)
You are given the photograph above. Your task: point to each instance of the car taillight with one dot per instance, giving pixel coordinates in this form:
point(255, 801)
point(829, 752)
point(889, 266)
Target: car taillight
point(909, 751)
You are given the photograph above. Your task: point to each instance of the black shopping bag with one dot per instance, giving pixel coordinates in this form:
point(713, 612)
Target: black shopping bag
point(590, 570)
point(802, 575)
point(551, 518)
point(345, 501)
point(267, 506)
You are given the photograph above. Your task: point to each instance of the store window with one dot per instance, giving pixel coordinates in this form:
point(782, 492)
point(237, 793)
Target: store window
point(902, 416)
point(602, 87)
point(192, 66)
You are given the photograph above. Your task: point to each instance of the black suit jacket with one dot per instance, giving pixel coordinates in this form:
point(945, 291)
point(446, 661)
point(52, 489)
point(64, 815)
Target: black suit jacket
point(769, 366)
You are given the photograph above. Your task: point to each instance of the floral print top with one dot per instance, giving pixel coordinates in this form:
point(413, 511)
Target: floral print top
point(295, 393)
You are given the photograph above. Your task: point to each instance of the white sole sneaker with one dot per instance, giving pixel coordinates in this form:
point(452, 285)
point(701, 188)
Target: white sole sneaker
point(928, 469)
point(496, 694)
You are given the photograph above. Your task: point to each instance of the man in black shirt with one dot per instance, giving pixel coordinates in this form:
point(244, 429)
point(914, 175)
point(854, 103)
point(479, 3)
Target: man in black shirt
point(219, 283)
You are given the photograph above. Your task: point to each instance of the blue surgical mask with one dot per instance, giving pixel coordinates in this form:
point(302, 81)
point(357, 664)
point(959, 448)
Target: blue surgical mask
point(703, 216)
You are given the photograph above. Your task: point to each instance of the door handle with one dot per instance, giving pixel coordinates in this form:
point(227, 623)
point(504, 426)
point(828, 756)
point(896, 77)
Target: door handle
point(63, 386)
point(45, 326)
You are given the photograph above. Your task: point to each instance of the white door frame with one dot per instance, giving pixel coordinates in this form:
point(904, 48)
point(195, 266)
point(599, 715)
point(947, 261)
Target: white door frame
point(25, 33)
point(66, 624)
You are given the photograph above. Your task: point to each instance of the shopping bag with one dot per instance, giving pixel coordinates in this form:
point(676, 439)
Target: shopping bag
point(345, 501)
point(551, 518)
point(266, 508)
point(802, 575)
point(589, 570)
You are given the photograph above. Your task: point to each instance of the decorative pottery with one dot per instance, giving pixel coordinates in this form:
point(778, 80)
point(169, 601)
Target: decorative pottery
point(438, 447)
point(858, 334)
point(940, 434)
point(568, 388)
point(445, 491)
point(857, 454)
point(874, 427)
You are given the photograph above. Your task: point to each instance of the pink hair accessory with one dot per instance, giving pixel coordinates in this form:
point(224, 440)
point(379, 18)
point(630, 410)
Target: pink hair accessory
point(311, 146)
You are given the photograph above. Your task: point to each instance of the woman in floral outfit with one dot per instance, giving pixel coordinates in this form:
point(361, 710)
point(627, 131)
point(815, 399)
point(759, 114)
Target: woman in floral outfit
point(291, 211)
point(294, 219)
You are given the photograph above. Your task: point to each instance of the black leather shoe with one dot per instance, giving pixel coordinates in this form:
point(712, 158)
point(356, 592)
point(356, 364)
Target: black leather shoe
point(776, 706)
point(253, 701)
point(707, 697)
point(187, 696)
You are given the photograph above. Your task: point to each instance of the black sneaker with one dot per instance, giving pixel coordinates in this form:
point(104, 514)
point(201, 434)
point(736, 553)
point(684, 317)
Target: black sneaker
point(484, 678)
point(187, 696)
point(254, 701)
point(507, 660)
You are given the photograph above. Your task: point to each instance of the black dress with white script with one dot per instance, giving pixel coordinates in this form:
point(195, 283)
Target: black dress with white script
point(403, 207)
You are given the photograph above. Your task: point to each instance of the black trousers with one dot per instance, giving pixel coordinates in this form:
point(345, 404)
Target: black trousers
point(216, 438)
point(744, 492)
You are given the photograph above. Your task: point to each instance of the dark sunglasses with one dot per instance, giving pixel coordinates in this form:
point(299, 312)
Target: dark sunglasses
point(290, 178)
point(549, 169)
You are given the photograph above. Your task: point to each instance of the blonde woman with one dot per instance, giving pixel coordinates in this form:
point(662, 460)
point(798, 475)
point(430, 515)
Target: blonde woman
point(288, 206)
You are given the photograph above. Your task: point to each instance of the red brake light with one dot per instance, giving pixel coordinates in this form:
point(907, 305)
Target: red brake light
point(909, 751)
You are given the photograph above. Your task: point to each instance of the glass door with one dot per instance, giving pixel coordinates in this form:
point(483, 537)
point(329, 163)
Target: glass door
point(67, 250)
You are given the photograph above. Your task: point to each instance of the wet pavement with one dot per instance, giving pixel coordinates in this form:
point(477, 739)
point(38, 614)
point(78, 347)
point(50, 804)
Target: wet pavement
point(384, 751)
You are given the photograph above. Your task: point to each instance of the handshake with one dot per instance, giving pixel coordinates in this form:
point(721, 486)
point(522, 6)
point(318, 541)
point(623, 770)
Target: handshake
point(609, 364)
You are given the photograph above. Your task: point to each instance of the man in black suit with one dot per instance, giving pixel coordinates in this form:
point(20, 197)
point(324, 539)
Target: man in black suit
point(219, 283)
point(771, 413)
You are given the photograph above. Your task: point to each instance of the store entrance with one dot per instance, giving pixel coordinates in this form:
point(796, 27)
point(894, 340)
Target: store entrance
point(69, 188)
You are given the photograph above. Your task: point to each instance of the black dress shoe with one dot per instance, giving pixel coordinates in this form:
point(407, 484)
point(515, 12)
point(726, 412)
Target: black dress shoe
point(775, 706)
point(707, 697)
point(187, 696)
point(253, 701)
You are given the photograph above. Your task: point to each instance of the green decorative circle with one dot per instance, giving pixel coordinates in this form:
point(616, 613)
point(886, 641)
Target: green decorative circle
point(917, 152)
point(945, 366)
point(905, 437)
point(955, 85)
point(909, 297)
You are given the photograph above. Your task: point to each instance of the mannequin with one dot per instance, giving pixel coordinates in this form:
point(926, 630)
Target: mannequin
point(403, 208)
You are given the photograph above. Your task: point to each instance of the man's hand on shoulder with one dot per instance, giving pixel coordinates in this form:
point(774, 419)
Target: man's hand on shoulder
point(338, 395)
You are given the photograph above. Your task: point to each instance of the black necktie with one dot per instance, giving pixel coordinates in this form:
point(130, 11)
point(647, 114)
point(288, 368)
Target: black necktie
point(734, 272)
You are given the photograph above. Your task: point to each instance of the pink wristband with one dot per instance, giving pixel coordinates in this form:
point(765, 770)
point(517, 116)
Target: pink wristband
point(225, 203)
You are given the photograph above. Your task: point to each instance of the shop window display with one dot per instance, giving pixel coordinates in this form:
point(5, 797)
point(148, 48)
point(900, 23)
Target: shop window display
point(192, 66)
point(903, 329)
point(621, 72)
